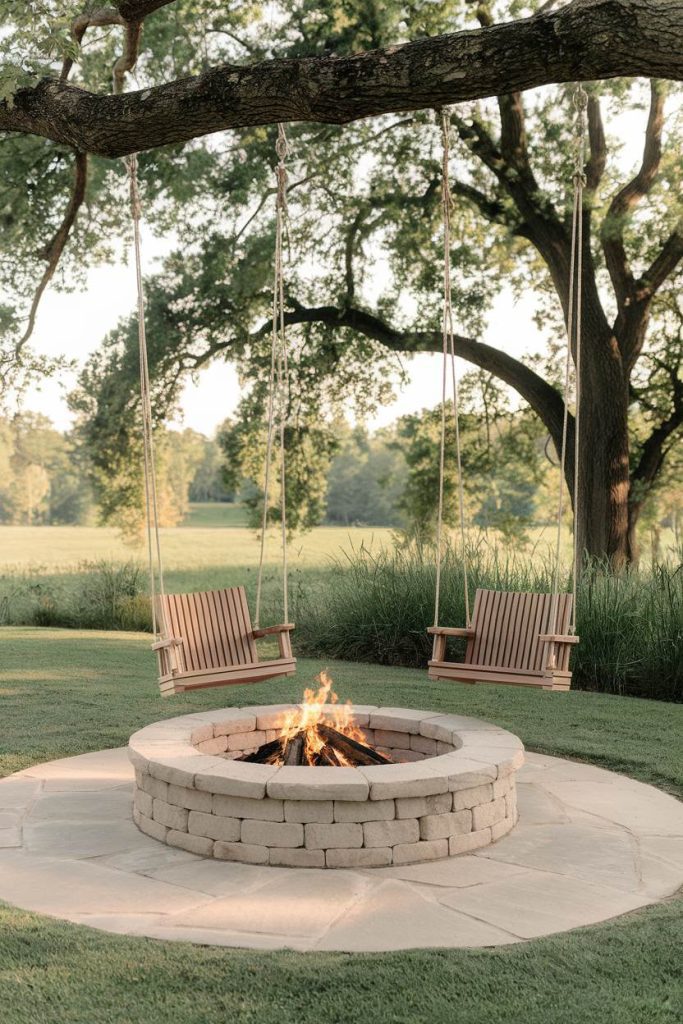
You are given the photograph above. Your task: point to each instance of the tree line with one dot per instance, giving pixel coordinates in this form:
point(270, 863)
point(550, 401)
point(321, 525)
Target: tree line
point(389, 477)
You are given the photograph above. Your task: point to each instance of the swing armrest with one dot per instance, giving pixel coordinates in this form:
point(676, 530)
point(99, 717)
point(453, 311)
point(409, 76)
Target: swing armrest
point(285, 627)
point(558, 638)
point(162, 645)
point(452, 631)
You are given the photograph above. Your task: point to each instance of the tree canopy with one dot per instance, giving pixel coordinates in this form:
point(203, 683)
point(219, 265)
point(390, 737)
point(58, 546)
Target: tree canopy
point(363, 275)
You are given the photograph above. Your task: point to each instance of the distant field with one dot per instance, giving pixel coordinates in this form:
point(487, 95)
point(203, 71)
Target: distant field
point(49, 560)
point(215, 514)
point(51, 548)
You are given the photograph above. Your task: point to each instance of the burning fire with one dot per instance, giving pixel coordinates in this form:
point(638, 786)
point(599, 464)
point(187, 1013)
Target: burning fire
point(321, 707)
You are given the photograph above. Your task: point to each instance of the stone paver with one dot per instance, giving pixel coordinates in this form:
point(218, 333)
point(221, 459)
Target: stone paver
point(64, 888)
point(298, 903)
point(216, 878)
point(570, 849)
point(539, 903)
point(16, 792)
point(81, 805)
point(77, 839)
point(540, 806)
point(589, 845)
point(394, 916)
point(637, 807)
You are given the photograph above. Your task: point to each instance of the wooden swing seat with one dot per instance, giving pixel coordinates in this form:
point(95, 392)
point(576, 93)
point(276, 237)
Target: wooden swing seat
point(212, 643)
point(509, 641)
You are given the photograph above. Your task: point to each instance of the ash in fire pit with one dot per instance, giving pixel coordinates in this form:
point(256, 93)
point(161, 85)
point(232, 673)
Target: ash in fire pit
point(322, 733)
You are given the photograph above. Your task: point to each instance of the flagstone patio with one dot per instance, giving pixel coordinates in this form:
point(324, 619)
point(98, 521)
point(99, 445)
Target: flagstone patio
point(589, 845)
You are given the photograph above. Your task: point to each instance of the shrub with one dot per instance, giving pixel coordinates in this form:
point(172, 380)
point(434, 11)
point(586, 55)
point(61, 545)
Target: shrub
point(98, 595)
point(376, 607)
point(112, 596)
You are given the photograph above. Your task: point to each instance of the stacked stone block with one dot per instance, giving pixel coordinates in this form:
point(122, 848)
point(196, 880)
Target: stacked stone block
point(451, 792)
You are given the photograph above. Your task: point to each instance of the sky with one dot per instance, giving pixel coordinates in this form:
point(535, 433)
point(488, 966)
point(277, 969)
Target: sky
point(75, 323)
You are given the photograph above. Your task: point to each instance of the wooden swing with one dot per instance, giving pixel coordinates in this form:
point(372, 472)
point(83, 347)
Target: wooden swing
point(206, 638)
point(514, 638)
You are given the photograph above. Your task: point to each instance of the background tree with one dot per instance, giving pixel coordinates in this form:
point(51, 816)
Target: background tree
point(502, 459)
point(366, 480)
point(41, 477)
point(364, 208)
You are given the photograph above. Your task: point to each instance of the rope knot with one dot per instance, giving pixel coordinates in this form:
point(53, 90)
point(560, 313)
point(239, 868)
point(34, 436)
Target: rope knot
point(580, 98)
point(281, 146)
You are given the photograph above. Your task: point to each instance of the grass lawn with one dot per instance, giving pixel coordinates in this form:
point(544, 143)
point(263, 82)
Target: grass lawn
point(64, 692)
point(185, 548)
point(215, 514)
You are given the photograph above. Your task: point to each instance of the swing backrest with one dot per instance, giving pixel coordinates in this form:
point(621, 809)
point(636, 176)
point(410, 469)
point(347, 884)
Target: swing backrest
point(507, 626)
point(214, 626)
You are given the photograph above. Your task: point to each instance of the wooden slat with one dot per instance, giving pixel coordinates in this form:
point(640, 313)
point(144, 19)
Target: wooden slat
point(507, 627)
point(212, 647)
point(521, 619)
point(232, 634)
point(210, 637)
point(186, 632)
point(473, 641)
point(501, 651)
point(243, 621)
point(474, 674)
point(232, 606)
point(222, 645)
point(227, 632)
point(194, 612)
point(490, 609)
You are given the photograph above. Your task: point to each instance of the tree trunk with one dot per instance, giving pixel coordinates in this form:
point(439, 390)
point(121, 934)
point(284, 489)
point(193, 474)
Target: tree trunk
point(602, 516)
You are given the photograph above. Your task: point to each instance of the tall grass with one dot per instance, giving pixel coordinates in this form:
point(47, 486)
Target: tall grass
point(376, 607)
point(99, 595)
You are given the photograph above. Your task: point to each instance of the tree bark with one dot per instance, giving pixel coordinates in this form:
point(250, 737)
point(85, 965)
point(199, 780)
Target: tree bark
point(586, 39)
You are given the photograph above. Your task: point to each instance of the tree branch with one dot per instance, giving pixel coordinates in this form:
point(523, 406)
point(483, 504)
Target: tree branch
point(666, 262)
point(137, 10)
point(543, 398)
point(654, 449)
point(102, 17)
point(628, 197)
point(55, 248)
point(586, 39)
point(489, 207)
point(128, 59)
point(595, 167)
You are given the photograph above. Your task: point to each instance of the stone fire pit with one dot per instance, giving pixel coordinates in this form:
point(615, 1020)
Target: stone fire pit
point(452, 790)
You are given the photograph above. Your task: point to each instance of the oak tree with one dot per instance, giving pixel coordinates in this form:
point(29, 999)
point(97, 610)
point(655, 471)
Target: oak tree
point(363, 277)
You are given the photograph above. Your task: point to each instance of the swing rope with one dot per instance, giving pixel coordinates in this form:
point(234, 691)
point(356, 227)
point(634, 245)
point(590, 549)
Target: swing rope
point(278, 389)
point(151, 494)
point(448, 353)
point(574, 320)
point(278, 385)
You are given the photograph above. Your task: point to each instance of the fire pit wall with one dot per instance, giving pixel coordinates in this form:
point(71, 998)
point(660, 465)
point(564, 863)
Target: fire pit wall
point(452, 791)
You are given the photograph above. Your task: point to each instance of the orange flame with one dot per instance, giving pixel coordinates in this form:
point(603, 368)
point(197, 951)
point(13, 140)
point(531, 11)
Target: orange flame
point(318, 707)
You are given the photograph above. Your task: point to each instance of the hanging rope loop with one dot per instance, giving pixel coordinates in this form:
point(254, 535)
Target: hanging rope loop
point(580, 103)
point(448, 355)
